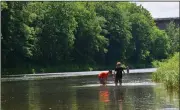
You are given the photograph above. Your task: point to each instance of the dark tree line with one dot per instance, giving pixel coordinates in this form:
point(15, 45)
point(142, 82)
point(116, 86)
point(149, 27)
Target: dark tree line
point(81, 33)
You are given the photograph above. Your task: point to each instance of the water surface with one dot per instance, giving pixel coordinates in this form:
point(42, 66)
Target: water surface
point(137, 92)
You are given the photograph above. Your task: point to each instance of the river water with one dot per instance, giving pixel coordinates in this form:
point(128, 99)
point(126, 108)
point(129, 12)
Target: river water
point(137, 92)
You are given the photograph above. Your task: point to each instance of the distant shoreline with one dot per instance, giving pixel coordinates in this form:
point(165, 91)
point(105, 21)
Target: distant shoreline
point(41, 76)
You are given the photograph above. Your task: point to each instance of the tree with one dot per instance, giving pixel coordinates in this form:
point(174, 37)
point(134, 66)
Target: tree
point(173, 34)
point(83, 33)
point(141, 23)
point(56, 39)
point(89, 42)
point(116, 29)
point(141, 31)
point(160, 44)
point(17, 35)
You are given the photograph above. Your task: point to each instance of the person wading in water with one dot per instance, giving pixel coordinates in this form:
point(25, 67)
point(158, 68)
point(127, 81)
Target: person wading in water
point(103, 77)
point(119, 71)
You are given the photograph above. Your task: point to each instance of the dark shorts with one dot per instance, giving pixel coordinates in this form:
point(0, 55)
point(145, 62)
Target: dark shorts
point(118, 79)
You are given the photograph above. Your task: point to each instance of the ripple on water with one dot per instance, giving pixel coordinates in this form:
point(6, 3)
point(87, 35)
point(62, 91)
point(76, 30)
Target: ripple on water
point(123, 84)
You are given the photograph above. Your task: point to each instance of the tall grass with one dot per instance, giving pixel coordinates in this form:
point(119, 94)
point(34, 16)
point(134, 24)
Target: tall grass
point(168, 72)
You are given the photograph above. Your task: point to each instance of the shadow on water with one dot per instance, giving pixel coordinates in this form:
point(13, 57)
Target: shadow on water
point(85, 93)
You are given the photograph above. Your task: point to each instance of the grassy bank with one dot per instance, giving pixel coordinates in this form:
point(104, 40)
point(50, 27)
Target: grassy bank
point(168, 72)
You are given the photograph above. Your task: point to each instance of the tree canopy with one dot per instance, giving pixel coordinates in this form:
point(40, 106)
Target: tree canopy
point(93, 33)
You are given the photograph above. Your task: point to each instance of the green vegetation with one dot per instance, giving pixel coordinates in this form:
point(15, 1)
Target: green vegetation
point(80, 36)
point(173, 33)
point(168, 69)
point(168, 72)
point(59, 68)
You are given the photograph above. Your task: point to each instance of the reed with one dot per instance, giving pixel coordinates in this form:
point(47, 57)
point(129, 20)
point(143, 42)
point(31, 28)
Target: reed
point(168, 72)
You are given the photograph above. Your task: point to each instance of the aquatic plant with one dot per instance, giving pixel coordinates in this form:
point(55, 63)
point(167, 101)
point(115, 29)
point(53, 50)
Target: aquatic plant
point(168, 72)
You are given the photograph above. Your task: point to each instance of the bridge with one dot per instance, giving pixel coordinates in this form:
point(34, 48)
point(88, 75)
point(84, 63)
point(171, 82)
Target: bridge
point(163, 22)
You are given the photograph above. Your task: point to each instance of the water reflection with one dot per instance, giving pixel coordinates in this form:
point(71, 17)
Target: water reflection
point(73, 94)
point(119, 98)
point(56, 95)
point(33, 96)
point(14, 96)
point(104, 94)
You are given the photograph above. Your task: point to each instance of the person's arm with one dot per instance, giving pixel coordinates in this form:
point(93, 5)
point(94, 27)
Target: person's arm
point(123, 72)
point(122, 69)
point(115, 70)
point(113, 75)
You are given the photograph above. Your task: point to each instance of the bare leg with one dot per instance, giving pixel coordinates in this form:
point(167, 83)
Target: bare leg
point(105, 81)
point(101, 81)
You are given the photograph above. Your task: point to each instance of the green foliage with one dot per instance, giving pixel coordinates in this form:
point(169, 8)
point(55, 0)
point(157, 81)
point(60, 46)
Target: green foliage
point(160, 44)
point(116, 29)
point(168, 72)
point(173, 34)
point(43, 36)
point(156, 63)
point(88, 34)
point(52, 69)
point(141, 31)
point(3, 5)
point(17, 34)
point(56, 39)
point(33, 71)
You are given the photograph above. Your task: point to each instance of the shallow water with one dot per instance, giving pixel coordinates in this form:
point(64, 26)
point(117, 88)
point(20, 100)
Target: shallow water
point(39, 76)
point(137, 92)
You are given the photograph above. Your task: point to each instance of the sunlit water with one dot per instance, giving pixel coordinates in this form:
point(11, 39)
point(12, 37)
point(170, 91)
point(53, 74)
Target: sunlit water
point(137, 92)
point(64, 74)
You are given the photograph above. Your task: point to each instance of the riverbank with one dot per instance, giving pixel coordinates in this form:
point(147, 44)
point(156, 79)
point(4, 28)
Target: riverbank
point(40, 76)
point(64, 68)
point(52, 69)
point(168, 72)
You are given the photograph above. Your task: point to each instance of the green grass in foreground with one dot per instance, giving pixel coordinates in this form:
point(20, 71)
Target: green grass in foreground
point(168, 72)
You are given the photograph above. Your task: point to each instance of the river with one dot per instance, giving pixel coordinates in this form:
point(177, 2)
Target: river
point(82, 92)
